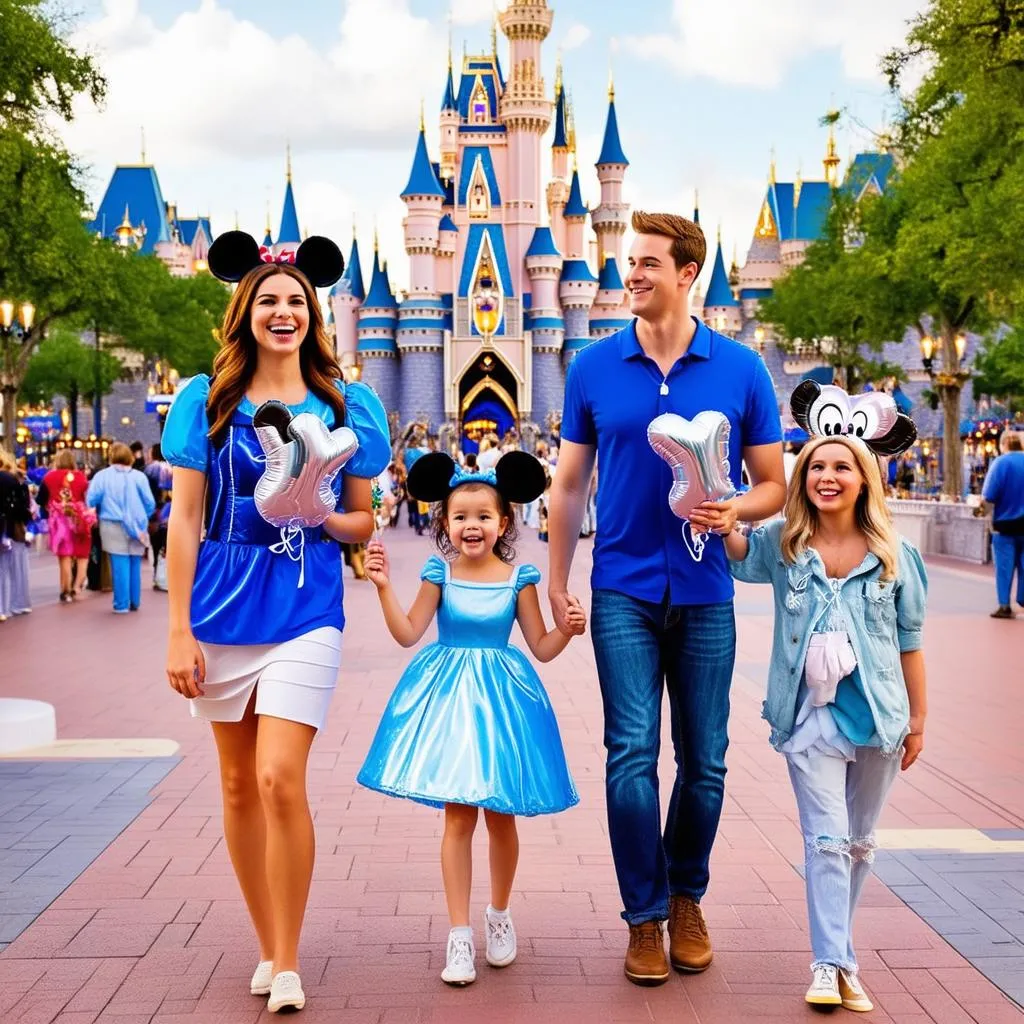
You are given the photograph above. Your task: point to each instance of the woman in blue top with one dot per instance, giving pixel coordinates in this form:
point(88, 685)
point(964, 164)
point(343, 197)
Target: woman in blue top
point(256, 612)
point(846, 688)
point(124, 502)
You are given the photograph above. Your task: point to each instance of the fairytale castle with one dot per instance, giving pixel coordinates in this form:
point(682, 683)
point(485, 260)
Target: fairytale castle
point(510, 276)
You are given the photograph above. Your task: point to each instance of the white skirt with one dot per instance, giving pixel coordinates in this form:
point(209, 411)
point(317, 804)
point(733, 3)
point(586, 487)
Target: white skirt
point(293, 680)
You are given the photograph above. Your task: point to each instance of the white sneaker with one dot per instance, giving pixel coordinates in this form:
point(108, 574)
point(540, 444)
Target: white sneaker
point(824, 990)
point(261, 978)
point(286, 992)
point(853, 995)
point(460, 969)
point(501, 938)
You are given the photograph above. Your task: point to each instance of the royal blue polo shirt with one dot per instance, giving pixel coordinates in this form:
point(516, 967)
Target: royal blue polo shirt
point(612, 393)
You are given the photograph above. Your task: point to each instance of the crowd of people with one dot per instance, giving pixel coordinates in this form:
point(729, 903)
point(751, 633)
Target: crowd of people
point(99, 523)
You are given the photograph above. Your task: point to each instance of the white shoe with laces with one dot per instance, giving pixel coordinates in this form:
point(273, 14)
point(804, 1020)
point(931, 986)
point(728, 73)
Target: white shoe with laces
point(460, 969)
point(824, 990)
point(286, 992)
point(261, 978)
point(501, 937)
point(853, 994)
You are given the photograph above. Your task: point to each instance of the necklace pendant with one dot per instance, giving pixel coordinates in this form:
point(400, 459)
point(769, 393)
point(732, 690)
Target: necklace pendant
point(663, 389)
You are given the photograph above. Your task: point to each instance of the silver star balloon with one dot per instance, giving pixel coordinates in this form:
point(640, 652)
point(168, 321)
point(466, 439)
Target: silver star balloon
point(697, 452)
point(303, 458)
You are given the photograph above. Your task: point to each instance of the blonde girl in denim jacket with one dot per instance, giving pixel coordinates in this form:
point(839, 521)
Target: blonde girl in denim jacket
point(846, 689)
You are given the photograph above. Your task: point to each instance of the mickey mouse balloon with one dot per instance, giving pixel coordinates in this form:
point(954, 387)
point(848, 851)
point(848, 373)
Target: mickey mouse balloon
point(303, 458)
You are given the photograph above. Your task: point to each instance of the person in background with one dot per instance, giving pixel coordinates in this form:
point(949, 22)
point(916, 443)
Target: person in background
point(70, 522)
point(138, 458)
point(413, 453)
point(1004, 492)
point(15, 516)
point(124, 503)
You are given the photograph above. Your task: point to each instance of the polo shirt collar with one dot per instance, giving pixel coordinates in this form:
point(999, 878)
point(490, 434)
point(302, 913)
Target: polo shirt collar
point(700, 345)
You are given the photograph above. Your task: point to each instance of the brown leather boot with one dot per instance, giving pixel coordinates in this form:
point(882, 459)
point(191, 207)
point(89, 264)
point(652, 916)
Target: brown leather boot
point(689, 944)
point(645, 959)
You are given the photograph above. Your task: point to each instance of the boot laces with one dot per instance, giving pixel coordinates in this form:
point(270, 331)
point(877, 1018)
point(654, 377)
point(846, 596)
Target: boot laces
point(647, 935)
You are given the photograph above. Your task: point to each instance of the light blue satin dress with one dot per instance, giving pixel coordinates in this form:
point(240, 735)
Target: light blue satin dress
point(469, 721)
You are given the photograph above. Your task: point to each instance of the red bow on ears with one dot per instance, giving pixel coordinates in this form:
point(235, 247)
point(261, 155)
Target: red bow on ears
point(267, 256)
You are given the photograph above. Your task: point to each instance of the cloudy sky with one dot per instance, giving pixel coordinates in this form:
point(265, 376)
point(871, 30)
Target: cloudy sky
point(704, 91)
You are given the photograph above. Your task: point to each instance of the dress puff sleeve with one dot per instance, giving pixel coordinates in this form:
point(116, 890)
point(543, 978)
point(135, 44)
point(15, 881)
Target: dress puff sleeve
point(528, 575)
point(434, 571)
point(184, 441)
point(365, 415)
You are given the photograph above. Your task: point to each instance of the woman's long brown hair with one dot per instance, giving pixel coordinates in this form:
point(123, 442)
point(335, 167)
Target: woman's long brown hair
point(235, 363)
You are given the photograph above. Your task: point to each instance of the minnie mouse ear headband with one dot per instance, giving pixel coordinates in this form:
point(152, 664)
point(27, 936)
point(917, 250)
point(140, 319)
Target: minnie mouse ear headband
point(828, 411)
point(234, 253)
point(517, 476)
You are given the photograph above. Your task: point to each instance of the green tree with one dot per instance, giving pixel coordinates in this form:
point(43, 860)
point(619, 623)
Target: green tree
point(956, 215)
point(44, 246)
point(999, 370)
point(63, 365)
point(834, 301)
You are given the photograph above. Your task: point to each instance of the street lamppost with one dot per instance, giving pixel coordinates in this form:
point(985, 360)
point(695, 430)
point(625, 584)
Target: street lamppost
point(19, 332)
point(948, 381)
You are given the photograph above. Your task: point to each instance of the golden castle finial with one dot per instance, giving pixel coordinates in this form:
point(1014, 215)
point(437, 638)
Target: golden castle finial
point(611, 81)
point(719, 232)
point(423, 122)
point(268, 216)
point(494, 32)
point(771, 168)
point(142, 132)
point(570, 123)
point(376, 239)
point(288, 161)
point(353, 227)
point(831, 161)
point(449, 37)
point(558, 73)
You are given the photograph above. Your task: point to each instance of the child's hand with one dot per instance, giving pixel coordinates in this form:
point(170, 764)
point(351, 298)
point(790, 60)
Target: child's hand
point(376, 564)
point(576, 619)
point(912, 747)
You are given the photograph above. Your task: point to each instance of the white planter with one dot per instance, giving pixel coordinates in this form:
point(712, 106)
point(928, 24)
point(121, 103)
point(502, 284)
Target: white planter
point(25, 723)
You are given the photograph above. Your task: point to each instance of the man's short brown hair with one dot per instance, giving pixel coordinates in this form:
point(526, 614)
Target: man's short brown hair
point(688, 242)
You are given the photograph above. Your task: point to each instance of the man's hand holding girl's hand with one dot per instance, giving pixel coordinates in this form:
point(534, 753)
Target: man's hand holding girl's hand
point(570, 618)
point(715, 516)
point(376, 565)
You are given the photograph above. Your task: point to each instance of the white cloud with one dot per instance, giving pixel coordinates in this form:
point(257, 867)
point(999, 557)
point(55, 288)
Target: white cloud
point(213, 84)
point(749, 42)
point(471, 12)
point(575, 36)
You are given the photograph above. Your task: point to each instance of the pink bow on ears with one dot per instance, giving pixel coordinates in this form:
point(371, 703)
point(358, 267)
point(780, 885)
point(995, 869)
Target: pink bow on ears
point(268, 256)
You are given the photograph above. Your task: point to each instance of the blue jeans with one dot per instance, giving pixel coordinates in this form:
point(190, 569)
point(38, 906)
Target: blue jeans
point(126, 573)
point(1008, 554)
point(641, 648)
point(839, 803)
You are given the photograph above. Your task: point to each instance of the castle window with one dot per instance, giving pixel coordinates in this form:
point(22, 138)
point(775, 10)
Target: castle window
point(479, 104)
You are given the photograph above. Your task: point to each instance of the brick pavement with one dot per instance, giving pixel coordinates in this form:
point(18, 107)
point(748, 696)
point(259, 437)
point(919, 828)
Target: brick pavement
point(154, 931)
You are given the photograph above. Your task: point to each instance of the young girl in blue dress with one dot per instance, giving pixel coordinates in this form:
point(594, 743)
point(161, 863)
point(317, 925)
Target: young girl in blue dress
point(469, 724)
point(256, 611)
point(846, 688)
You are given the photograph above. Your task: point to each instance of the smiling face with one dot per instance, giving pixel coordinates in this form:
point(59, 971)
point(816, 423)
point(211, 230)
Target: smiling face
point(834, 480)
point(280, 315)
point(654, 283)
point(475, 521)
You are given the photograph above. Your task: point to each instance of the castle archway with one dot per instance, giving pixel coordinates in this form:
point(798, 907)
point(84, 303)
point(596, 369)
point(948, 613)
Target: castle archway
point(488, 400)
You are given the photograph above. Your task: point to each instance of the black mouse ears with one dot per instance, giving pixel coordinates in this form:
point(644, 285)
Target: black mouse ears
point(234, 253)
point(824, 410)
point(517, 476)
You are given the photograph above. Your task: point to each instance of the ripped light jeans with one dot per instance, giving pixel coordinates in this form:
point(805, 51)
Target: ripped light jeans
point(839, 802)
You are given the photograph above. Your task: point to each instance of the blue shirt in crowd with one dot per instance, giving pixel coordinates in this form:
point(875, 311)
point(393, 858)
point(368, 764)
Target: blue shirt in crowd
point(1004, 487)
point(613, 392)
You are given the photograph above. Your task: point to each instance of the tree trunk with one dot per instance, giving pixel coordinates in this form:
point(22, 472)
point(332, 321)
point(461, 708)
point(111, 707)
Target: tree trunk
point(10, 410)
point(73, 410)
point(949, 383)
point(97, 402)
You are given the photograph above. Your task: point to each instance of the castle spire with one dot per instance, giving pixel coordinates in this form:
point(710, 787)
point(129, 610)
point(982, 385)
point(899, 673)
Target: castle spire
point(288, 161)
point(771, 168)
point(611, 149)
point(422, 180)
point(719, 293)
point(289, 233)
point(831, 160)
point(696, 207)
point(560, 140)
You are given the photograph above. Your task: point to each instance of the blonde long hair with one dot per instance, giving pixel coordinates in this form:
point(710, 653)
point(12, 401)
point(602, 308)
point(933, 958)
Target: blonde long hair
point(872, 514)
point(235, 363)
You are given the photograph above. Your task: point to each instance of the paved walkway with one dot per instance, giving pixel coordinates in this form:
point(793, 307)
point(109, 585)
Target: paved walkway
point(153, 929)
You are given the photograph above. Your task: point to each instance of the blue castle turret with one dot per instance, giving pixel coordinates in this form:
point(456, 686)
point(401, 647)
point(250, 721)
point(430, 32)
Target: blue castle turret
point(378, 353)
point(289, 236)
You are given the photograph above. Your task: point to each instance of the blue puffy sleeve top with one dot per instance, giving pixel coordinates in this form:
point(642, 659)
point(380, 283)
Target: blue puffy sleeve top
point(254, 583)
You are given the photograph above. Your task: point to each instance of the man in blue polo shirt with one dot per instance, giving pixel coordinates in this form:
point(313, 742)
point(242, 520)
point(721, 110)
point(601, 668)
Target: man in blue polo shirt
point(659, 618)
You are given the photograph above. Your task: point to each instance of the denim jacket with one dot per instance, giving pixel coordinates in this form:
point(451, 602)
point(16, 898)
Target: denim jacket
point(884, 618)
point(122, 495)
